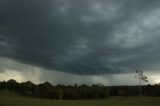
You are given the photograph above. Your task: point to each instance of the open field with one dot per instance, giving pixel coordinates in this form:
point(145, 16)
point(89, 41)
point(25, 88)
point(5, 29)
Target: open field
point(11, 99)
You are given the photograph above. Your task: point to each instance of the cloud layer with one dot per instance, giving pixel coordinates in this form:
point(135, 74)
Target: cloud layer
point(82, 37)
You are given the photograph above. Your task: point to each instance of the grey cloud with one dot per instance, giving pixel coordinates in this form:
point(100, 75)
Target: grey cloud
point(81, 37)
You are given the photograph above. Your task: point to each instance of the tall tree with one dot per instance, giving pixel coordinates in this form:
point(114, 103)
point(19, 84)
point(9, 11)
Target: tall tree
point(141, 77)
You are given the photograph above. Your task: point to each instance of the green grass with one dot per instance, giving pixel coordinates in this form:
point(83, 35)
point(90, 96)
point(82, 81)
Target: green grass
point(11, 99)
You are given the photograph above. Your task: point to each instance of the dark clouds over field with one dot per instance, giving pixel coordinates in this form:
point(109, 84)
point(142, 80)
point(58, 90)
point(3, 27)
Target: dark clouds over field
point(84, 37)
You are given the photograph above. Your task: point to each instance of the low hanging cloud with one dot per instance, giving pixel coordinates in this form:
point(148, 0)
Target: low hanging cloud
point(11, 69)
point(82, 37)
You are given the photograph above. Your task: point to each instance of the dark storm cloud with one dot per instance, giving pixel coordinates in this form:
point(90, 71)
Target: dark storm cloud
point(81, 37)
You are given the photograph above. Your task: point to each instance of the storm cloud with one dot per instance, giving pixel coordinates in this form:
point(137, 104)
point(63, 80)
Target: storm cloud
point(88, 37)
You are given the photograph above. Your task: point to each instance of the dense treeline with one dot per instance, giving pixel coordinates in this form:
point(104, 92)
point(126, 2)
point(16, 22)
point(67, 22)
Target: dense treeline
point(147, 90)
point(47, 90)
point(95, 91)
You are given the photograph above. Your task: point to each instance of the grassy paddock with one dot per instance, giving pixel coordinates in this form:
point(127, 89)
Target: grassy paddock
point(10, 99)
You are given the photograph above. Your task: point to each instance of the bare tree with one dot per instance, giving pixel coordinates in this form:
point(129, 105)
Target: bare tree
point(141, 77)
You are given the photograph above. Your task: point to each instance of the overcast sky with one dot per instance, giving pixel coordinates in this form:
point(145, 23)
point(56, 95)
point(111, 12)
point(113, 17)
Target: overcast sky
point(79, 41)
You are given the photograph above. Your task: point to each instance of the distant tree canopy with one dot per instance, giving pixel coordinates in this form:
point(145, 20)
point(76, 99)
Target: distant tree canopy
point(47, 90)
point(75, 92)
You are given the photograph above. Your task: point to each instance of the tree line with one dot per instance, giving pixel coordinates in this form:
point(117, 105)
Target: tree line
point(47, 90)
point(146, 90)
point(75, 92)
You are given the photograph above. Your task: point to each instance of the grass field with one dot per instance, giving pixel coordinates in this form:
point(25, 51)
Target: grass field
point(10, 99)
